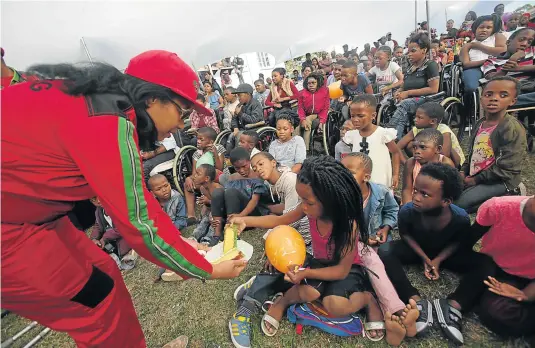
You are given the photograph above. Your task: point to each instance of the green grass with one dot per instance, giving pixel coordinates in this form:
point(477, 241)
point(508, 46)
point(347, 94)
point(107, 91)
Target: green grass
point(201, 311)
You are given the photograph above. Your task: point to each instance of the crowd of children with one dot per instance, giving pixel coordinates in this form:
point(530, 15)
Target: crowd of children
point(345, 207)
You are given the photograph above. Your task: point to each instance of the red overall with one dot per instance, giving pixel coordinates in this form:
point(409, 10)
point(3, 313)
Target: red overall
point(58, 149)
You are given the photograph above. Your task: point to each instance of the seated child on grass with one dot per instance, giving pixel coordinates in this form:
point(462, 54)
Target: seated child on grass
point(333, 204)
point(171, 201)
point(375, 141)
point(426, 148)
point(207, 152)
point(429, 115)
point(203, 177)
point(496, 147)
point(507, 225)
point(341, 148)
point(104, 232)
point(432, 232)
point(289, 150)
point(380, 207)
point(240, 195)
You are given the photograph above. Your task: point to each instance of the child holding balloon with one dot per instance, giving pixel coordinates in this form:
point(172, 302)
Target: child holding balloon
point(332, 201)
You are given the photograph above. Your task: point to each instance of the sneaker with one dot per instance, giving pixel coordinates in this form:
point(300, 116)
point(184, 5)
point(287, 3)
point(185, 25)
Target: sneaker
point(191, 221)
point(242, 289)
point(425, 319)
point(214, 240)
point(450, 320)
point(170, 276)
point(240, 331)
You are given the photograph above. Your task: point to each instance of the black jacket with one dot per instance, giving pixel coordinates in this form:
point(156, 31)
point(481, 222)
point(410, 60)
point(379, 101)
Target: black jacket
point(250, 113)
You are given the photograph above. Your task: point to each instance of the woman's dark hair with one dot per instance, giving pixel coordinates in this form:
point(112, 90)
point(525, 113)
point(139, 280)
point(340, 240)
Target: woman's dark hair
point(433, 110)
point(316, 76)
point(422, 40)
point(201, 98)
point(267, 156)
point(239, 154)
point(100, 78)
point(208, 83)
point(286, 117)
point(386, 50)
point(317, 61)
point(337, 190)
point(496, 23)
point(516, 33)
point(281, 71)
point(306, 66)
point(472, 14)
point(452, 184)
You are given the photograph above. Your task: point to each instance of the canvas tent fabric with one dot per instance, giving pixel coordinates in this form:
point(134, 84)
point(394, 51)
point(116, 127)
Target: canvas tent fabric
point(200, 32)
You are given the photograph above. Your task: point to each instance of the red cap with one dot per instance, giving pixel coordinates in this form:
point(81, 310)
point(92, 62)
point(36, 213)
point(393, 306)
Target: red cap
point(166, 69)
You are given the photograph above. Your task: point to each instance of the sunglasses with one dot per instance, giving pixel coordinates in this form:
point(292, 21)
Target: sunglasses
point(185, 113)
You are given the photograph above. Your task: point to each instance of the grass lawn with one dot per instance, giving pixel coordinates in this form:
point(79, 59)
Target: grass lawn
point(201, 311)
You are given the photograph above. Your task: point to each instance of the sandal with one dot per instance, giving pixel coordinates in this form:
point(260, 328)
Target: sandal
point(374, 325)
point(272, 321)
point(267, 304)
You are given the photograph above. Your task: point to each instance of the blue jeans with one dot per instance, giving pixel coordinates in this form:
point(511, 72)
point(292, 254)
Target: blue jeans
point(471, 79)
point(526, 99)
point(400, 119)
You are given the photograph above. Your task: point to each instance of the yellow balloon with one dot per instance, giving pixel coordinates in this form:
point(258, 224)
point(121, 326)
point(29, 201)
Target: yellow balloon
point(285, 247)
point(335, 90)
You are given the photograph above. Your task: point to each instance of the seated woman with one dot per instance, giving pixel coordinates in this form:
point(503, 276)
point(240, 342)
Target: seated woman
point(313, 105)
point(240, 195)
point(488, 42)
point(282, 92)
point(507, 300)
point(421, 79)
point(213, 96)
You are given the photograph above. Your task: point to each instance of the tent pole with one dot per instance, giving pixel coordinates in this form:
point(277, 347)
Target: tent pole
point(428, 26)
point(249, 67)
point(82, 41)
point(291, 55)
point(415, 15)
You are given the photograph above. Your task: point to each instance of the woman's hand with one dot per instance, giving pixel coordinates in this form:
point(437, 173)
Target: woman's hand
point(228, 269)
point(401, 96)
point(505, 290)
point(238, 222)
point(395, 182)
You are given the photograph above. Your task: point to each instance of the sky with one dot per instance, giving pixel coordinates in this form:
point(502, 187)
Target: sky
point(202, 32)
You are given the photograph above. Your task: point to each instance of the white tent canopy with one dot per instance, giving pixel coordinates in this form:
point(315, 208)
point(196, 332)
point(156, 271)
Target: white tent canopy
point(201, 32)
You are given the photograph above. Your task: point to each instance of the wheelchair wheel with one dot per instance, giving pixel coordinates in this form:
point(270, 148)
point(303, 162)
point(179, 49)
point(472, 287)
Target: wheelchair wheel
point(452, 107)
point(331, 136)
point(266, 135)
point(222, 137)
point(183, 166)
point(385, 113)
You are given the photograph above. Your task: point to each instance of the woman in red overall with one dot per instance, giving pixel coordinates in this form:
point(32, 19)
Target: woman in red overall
point(71, 139)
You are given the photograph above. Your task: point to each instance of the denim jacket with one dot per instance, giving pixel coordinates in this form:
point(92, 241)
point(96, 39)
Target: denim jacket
point(383, 209)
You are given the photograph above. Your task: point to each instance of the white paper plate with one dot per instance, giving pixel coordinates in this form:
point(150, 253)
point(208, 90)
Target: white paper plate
point(217, 251)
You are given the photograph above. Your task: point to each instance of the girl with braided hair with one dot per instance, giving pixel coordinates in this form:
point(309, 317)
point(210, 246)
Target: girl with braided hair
point(332, 201)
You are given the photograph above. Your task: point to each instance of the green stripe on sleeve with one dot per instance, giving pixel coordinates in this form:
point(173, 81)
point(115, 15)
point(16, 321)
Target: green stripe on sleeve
point(137, 206)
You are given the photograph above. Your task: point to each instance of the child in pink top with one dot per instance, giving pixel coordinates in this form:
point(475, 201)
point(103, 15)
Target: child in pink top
point(507, 225)
point(331, 199)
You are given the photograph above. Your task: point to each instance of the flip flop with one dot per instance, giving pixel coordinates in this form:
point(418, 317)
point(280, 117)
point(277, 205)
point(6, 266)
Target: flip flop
point(374, 325)
point(272, 321)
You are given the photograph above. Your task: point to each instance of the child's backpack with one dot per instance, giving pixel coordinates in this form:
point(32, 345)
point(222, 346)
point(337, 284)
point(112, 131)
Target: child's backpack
point(313, 314)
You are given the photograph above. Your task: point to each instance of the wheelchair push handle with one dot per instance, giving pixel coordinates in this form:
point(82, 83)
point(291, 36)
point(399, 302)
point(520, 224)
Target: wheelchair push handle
point(255, 125)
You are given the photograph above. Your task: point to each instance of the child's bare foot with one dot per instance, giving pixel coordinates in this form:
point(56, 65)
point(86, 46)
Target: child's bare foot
point(276, 311)
point(409, 316)
point(395, 331)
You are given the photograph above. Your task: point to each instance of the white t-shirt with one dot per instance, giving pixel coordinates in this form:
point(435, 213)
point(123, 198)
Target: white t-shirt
point(169, 143)
point(390, 44)
point(476, 55)
point(385, 77)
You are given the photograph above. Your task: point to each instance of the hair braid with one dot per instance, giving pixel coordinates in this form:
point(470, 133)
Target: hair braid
point(335, 187)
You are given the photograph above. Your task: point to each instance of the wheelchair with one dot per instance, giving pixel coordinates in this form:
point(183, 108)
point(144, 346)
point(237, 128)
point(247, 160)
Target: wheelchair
point(526, 115)
point(450, 104)
point(266, 135)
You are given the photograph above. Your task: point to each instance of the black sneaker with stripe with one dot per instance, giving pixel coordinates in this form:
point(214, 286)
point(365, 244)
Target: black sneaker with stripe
point(450, 320)
point(425, 319)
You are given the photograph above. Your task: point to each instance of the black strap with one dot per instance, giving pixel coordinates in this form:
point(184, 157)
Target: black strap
point(97, 288)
